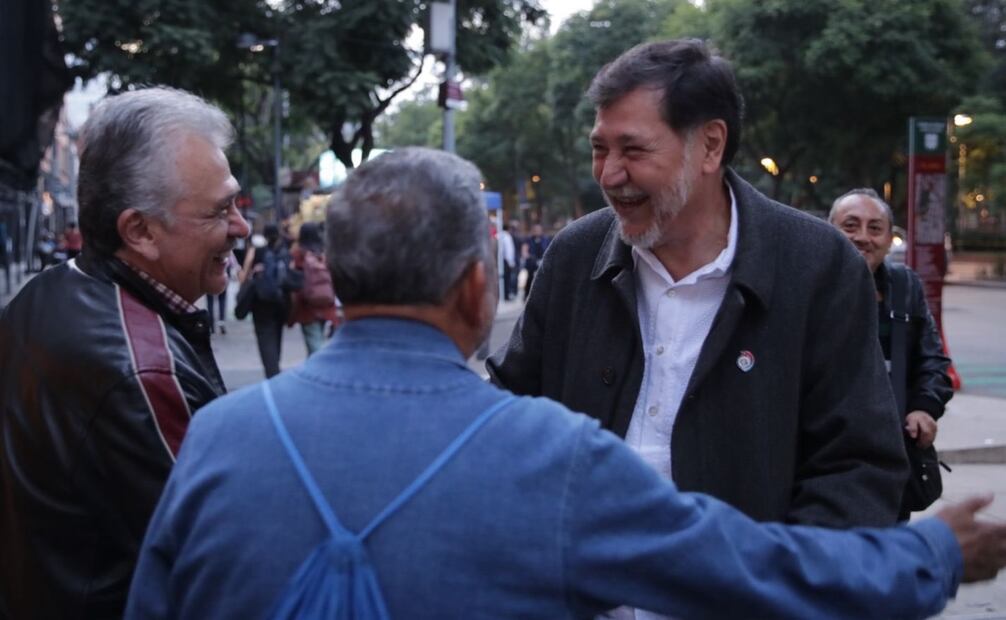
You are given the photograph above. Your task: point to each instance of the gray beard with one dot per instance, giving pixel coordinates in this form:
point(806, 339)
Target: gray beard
point(666, 205)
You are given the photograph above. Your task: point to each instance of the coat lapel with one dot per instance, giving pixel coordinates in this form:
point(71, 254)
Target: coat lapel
point(752, 279)
point(616, 257)
point(614, 261)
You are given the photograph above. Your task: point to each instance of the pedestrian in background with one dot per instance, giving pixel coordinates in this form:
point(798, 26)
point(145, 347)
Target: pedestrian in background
point(915, 360)
point(314, 304)
point(218, 303)
point(71, 241)
point(268, 266)
point(532, 253)
point(509, 251)
point(104, 358)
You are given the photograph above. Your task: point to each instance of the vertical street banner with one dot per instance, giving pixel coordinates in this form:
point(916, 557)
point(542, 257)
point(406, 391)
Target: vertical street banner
point(927, 199)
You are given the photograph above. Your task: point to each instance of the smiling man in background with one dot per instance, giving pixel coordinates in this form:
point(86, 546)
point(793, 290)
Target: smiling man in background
point(908, 334)
point(104, 358)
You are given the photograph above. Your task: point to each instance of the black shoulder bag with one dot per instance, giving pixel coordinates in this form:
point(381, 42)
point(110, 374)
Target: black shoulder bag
point(925, 484)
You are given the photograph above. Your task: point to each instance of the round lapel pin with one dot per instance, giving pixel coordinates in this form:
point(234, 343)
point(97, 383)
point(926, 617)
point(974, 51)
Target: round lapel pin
point(745, 361)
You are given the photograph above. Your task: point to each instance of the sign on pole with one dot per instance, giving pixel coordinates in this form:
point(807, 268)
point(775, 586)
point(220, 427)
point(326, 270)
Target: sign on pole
point(927, 200)
point(927, 197)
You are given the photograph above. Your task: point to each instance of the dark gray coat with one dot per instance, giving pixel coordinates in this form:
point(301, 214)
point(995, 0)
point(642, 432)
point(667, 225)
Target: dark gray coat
point(809, 435)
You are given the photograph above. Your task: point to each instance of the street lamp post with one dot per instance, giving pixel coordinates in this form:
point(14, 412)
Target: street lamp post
point(251, 42)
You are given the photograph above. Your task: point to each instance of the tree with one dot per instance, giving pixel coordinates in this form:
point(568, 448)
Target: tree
point(350, 59)
point(184, 43)
point(418, 122)
point(981, 156)
point(342, 62)
point(504, 128)
point(830, 84)
point(990, 18)
point(189, 44)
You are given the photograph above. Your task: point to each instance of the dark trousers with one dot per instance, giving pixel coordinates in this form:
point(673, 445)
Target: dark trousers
point(269, 320)
point(221, 302)
point(509, 281)
point(530, 279)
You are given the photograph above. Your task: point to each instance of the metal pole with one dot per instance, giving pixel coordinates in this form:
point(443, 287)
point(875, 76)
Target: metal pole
point(450, 69)
point(242, 138)
point(277, 135)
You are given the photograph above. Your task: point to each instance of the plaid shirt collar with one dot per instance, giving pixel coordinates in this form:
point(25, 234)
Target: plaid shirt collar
point(175, 301)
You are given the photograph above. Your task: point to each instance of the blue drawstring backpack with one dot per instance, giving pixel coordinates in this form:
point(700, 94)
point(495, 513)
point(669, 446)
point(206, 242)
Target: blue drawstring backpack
point(337, 581)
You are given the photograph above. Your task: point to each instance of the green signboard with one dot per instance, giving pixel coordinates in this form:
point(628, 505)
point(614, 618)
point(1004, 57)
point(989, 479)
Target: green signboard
point(927, 136)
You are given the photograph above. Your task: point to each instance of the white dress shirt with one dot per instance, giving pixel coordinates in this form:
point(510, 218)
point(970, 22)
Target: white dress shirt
point(507, 248)
point(674, 320)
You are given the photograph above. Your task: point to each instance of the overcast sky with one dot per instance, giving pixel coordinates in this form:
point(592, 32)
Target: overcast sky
point(561, 9)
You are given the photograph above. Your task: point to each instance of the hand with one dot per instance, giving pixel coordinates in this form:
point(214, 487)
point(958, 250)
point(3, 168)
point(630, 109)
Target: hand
point(983, 544)
point(921, 427)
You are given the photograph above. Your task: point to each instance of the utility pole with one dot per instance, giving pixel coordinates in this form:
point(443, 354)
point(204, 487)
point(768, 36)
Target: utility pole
point(277, 161)
point(441, 37)
point(251, 42)
point(449, 74)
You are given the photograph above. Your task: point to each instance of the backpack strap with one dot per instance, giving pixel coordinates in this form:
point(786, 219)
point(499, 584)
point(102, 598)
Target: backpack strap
point(328, 516)
point(899, 328)
point(331, 521)
point(435, 466)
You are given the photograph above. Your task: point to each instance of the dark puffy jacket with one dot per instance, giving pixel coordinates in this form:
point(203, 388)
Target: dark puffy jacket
point(98, 381)
point(929, 388)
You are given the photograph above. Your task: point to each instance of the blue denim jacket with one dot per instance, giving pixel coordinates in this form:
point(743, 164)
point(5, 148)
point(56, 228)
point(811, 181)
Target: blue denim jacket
point(541, 515)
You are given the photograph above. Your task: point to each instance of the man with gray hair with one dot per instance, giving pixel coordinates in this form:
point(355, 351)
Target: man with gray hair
point(104, 358)
point(384, 462)
point(908, 334)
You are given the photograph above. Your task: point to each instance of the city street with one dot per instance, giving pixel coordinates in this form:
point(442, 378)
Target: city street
point(975, 328)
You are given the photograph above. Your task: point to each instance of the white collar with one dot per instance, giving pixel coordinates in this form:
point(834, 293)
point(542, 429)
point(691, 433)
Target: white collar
point(719, 267)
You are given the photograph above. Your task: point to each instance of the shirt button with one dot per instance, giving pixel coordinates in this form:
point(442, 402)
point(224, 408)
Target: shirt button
point(653, 410)
point(660, 349)
point(670, 293)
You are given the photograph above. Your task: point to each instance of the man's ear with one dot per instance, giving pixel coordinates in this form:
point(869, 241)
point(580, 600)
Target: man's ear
point(137, 237)
point(471, 294)
point(713, 138)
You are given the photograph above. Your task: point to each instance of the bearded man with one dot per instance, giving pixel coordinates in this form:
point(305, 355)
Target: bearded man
point(729, 339)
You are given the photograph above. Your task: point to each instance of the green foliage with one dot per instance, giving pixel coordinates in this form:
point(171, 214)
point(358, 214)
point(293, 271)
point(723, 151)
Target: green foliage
point(990, 18)
point(184, 43)
point(341, 62)
point(830, 84)
point(349, 59)
point(418, 122)
point(980, 156)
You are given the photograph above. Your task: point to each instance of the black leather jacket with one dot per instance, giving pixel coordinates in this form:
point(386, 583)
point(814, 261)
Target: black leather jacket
point(98, 381)
point(929, 387)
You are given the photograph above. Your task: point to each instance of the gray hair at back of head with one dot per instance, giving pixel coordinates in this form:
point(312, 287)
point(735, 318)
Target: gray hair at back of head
point(127, 157)
point(869, 193)
point(404, 227)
